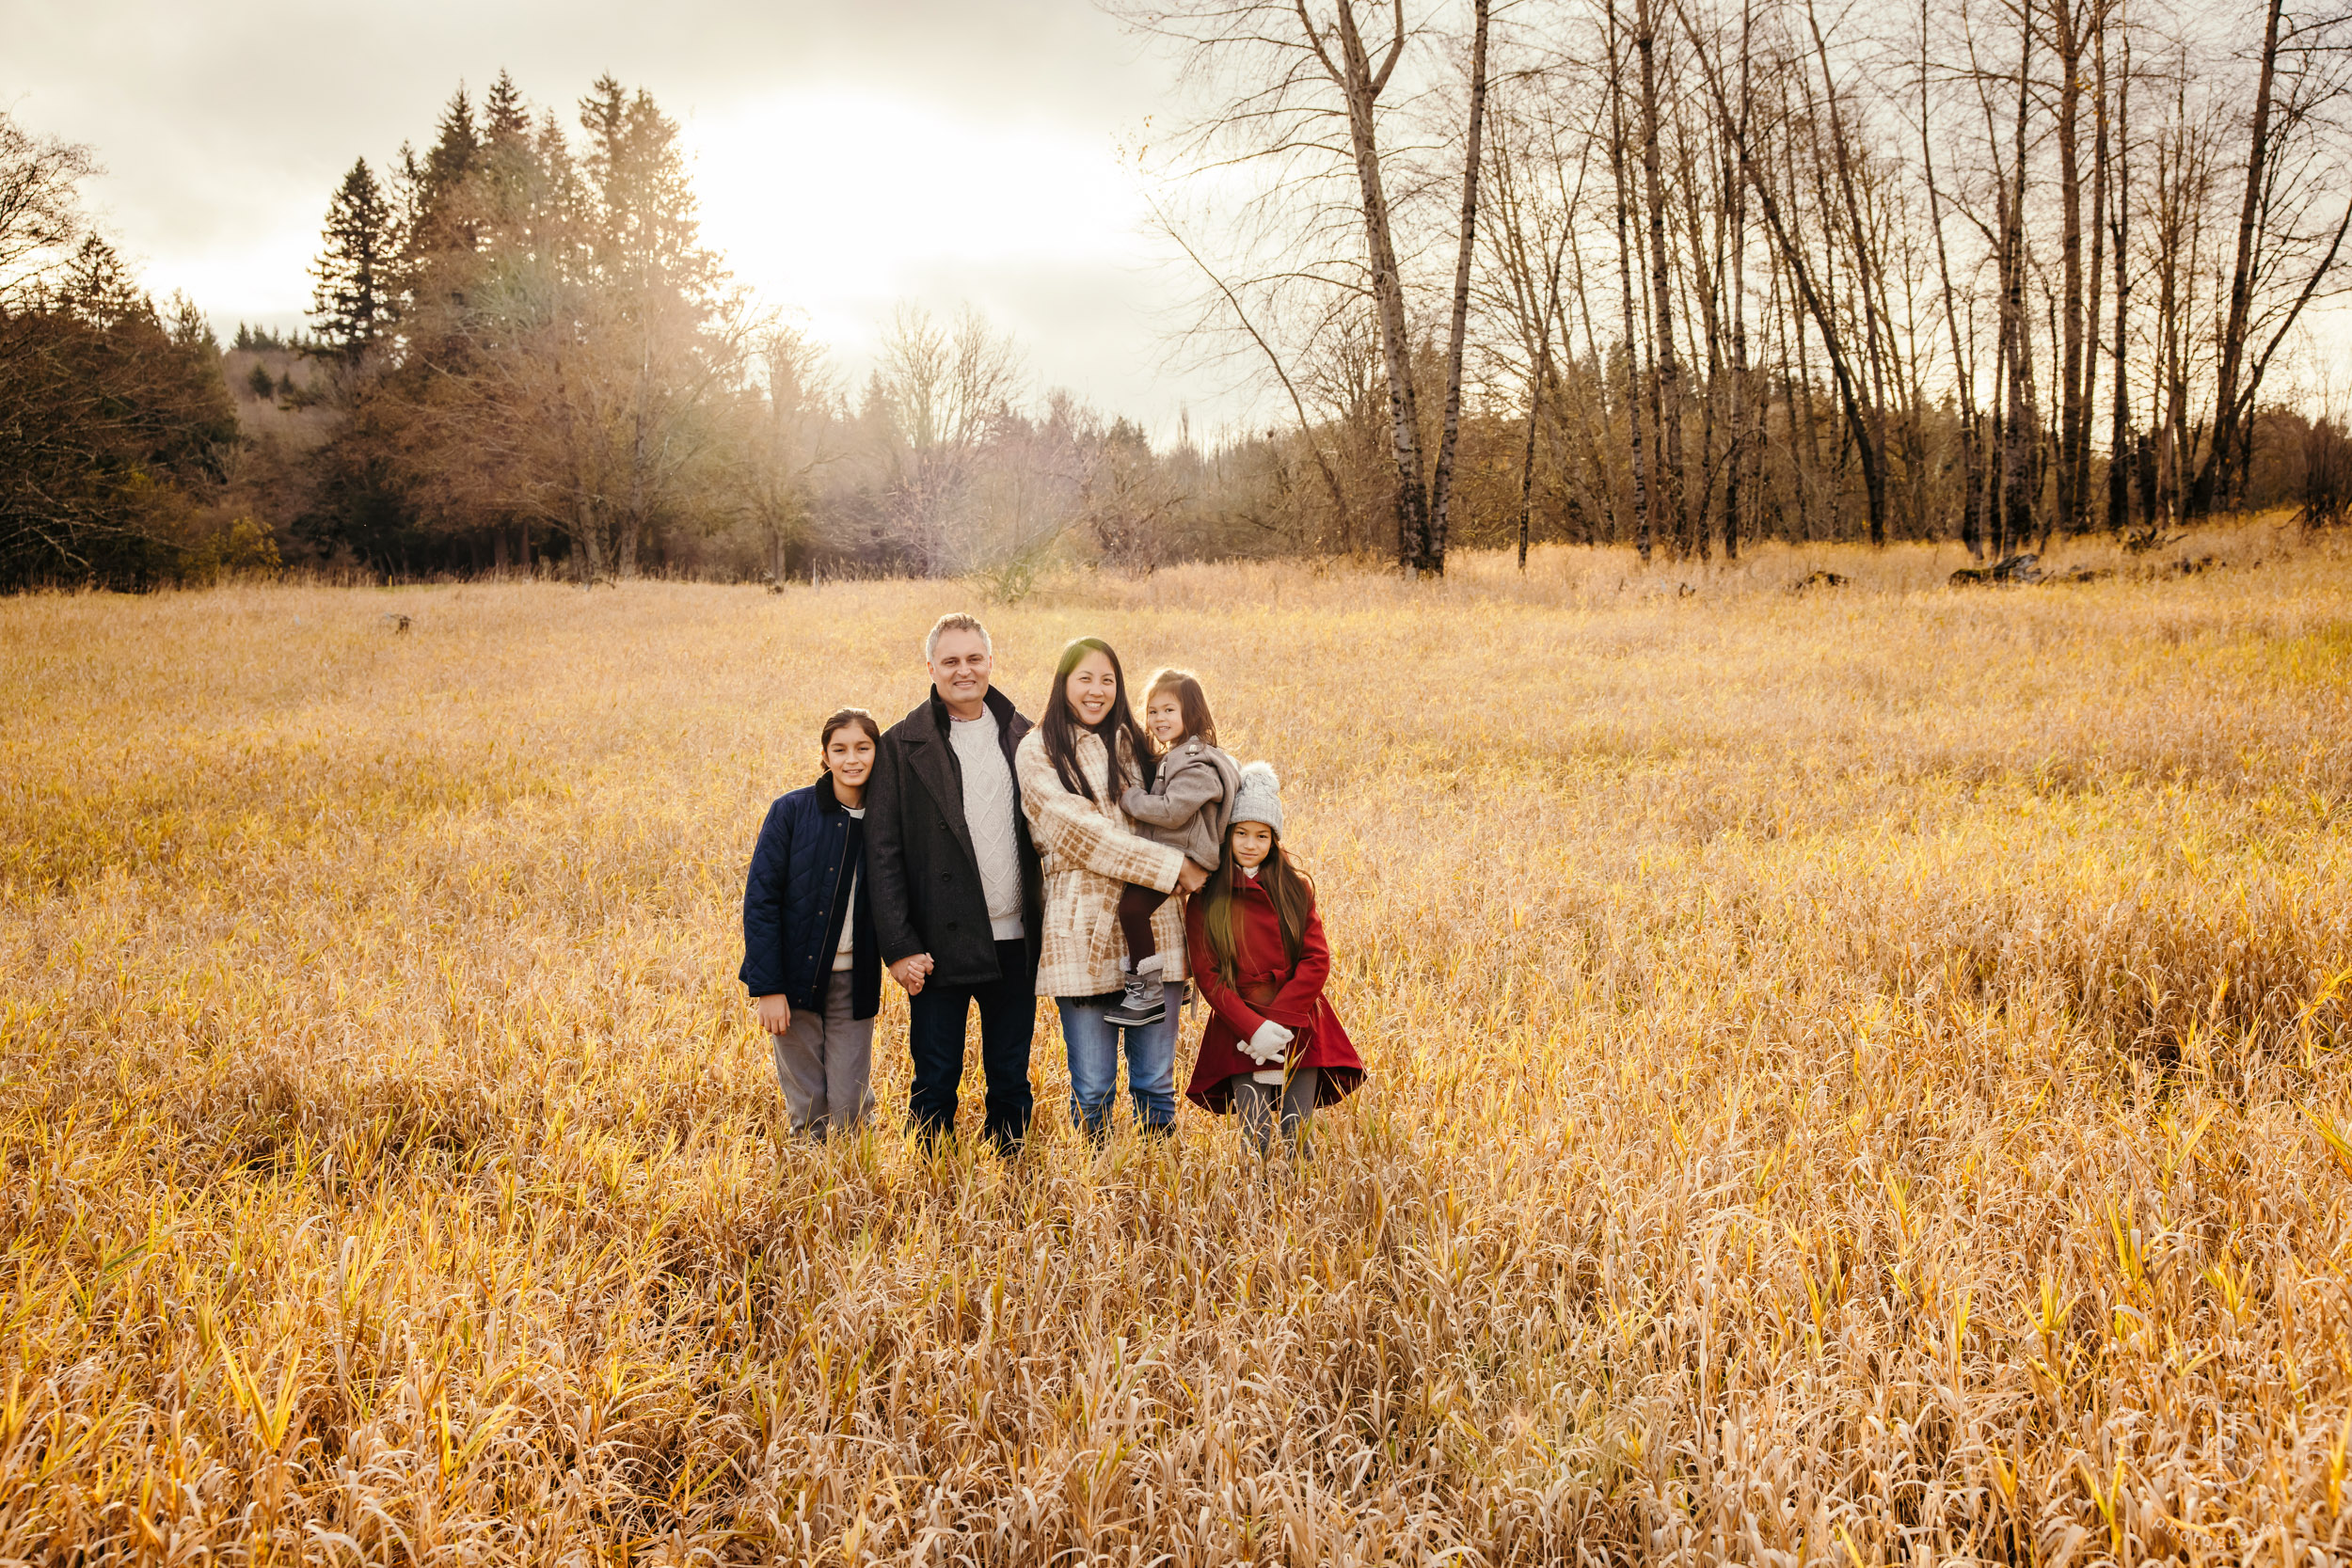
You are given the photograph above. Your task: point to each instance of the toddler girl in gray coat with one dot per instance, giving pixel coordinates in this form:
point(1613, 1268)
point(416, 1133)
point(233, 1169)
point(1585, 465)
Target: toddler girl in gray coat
point(1185, 807)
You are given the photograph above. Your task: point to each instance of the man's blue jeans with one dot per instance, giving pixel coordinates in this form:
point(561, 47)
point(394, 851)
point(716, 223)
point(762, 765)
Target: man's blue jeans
point(1093, 1044)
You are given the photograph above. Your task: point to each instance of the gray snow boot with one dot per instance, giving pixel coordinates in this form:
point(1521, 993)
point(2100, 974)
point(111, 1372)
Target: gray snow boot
point(1146, 1001)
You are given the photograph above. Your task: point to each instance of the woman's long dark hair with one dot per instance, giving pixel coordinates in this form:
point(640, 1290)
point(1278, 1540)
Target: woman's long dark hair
point(1293, 894)
point(1062, 726)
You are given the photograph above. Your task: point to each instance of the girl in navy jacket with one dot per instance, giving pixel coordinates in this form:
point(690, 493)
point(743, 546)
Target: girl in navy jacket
point(810, 960)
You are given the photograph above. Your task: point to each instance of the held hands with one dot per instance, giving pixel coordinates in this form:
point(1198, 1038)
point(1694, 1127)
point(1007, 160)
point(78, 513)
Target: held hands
point(775, 1013)
point(1191, 879)
point(1268, 1045)
point(911, 971)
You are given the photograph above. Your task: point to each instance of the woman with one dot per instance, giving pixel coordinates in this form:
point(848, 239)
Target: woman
point(1073, 768)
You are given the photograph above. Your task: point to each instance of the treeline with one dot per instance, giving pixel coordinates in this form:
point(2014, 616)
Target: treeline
point(116, 433)
point(534, 363)
point(522, 357)
point(1600, 271)
point(1743, 267)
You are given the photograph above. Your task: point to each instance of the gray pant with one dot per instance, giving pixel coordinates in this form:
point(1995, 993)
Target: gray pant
point(1255, 1101)
point(823, 1060)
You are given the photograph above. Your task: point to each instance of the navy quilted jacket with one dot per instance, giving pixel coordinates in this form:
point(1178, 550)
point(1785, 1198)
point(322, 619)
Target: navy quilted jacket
point(808, 848)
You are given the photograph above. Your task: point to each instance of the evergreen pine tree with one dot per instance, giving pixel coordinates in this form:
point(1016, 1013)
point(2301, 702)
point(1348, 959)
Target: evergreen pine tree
point(352, 300)
point(442, 220)
point(190, 330)
point(648, 235)
point(502, 111)
point(454, 143)
point(509, 182)
point(101, 291)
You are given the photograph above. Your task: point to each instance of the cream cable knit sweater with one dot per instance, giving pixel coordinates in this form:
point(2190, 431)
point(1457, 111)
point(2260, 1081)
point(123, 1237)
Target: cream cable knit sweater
point(988, 812)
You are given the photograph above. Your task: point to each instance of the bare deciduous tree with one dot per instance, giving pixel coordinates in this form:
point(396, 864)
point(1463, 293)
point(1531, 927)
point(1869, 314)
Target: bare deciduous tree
point(41, 217)
point(938, 393)
point(1305, 89)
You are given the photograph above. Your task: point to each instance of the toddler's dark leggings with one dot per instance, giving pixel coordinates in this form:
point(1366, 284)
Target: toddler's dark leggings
point(1136, 906)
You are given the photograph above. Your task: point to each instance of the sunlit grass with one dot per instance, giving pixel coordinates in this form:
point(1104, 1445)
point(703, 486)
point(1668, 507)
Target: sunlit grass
point(1856, 1076)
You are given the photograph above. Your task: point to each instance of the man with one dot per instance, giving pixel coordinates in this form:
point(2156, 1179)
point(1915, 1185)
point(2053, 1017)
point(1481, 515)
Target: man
point(956, 890)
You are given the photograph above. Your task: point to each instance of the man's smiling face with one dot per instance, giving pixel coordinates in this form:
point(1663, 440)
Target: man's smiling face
point(959, 667)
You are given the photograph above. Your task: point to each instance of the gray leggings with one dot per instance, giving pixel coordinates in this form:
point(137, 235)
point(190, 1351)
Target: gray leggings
point(1255, 1101)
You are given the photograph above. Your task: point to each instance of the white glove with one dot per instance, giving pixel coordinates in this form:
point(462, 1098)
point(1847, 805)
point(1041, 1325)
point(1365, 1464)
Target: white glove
point(1268, 1045)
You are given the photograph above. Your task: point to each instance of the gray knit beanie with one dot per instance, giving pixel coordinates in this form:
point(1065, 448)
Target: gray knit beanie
point(1259, 797)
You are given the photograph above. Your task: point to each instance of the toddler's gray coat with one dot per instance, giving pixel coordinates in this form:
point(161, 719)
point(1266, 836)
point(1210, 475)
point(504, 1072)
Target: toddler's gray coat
point(1189, 804)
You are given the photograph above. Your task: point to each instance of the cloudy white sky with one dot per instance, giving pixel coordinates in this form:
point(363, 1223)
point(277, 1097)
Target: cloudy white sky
point(848, 153)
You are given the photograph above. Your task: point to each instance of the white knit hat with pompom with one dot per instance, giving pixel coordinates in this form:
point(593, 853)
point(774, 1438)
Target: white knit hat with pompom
point(1259, 797)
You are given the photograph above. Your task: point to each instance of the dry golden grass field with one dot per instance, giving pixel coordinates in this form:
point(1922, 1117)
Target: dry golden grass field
point(1857, 1077)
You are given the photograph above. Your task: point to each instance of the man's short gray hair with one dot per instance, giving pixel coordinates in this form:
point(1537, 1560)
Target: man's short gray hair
point(957, 621)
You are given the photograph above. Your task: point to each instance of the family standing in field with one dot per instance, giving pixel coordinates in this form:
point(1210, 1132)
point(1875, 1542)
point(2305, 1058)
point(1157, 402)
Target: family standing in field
point(1100, 859)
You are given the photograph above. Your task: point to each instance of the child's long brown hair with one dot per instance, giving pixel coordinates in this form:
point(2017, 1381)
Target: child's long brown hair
point(1293, 894)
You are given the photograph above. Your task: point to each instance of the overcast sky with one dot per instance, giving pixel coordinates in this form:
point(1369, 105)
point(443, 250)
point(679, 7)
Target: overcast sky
point(848, 153)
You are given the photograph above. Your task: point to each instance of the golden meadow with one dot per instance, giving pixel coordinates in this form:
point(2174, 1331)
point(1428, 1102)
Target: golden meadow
point(1857, 1076)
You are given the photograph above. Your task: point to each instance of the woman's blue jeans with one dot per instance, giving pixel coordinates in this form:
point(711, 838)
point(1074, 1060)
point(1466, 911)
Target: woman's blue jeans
point(1093, 1044)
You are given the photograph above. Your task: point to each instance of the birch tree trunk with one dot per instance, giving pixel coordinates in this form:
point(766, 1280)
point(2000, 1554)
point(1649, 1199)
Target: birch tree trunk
point(2072, 423)
point(1641, 541)
point(1736, 200)
point(2120, 426)
point(1964, 363)
point(1441, 483)
point(2234, 331)
point(2095, 275)
point(1361, 85)
point(2020, 433)
point(1666, 404)
point(1706, 286)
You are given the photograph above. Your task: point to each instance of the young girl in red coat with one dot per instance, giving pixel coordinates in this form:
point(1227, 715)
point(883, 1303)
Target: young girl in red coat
point(1256, 950)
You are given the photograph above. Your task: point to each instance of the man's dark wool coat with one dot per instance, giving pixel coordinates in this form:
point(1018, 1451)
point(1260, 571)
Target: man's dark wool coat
point(809, 849)
point(928, 897)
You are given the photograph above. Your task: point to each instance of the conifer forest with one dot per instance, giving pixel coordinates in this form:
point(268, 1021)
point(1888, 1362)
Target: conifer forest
point(1677, 275)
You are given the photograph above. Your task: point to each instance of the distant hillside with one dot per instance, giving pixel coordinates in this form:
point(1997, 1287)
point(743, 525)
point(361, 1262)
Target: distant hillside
point(283, 400)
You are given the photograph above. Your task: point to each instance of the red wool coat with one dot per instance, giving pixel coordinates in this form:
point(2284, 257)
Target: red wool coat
point(1270, 988)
